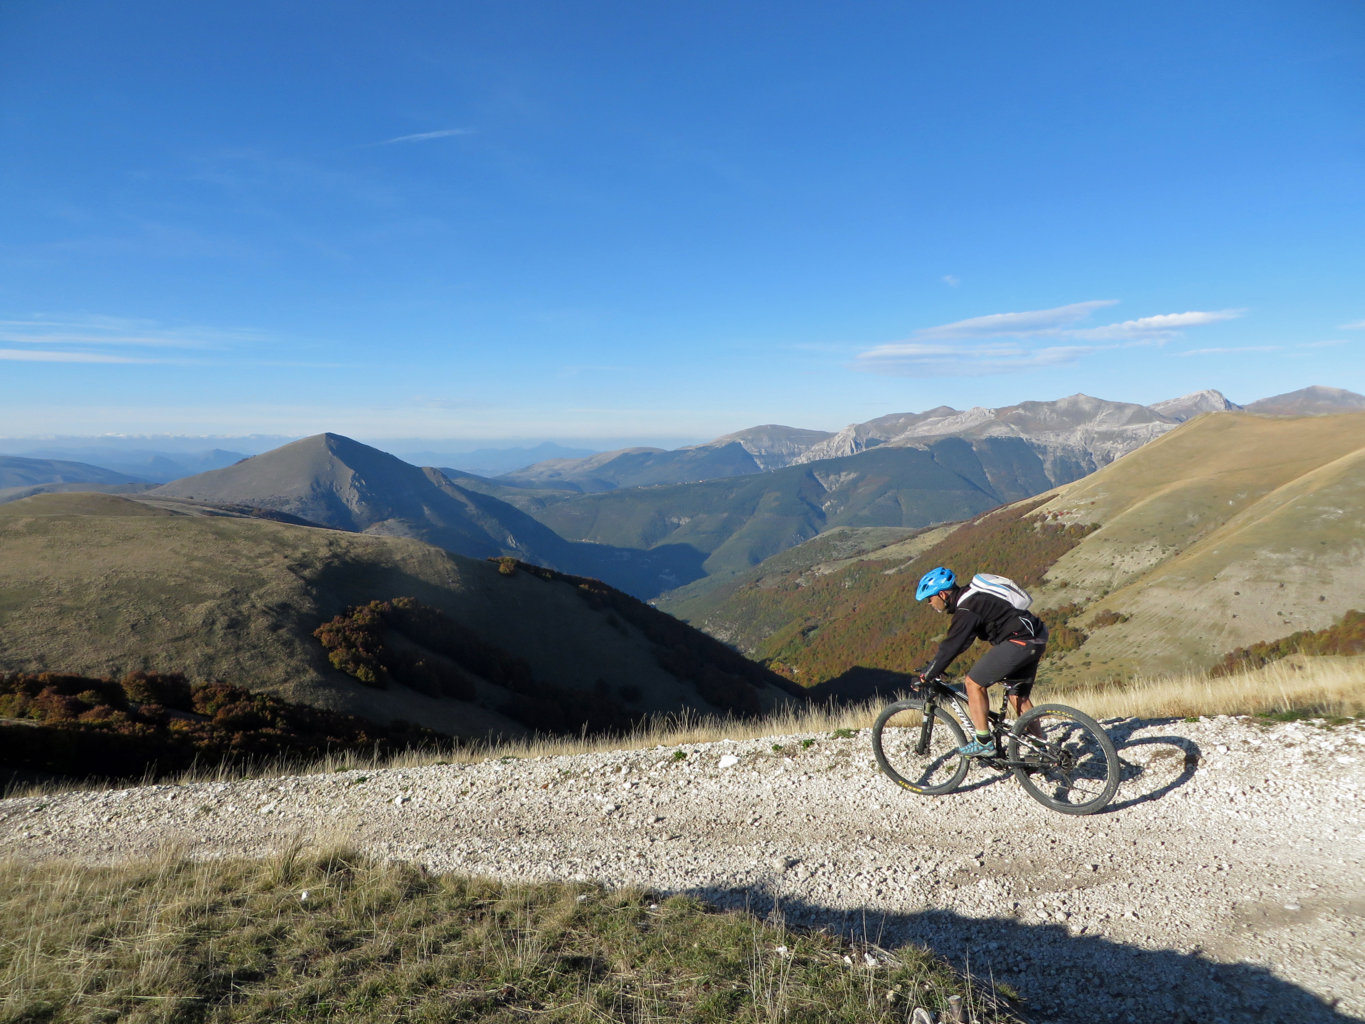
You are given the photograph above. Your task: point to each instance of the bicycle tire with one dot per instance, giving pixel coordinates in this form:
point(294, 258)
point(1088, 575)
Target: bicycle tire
point(895, 736)
point(1076, 771)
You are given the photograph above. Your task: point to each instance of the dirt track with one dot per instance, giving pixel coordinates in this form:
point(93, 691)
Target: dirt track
point(1225, 883)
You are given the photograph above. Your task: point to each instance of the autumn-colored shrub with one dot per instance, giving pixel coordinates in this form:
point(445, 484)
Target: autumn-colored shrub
point(171, 690)
point(87, 728)
point(1344, 637)
point(1108, 617)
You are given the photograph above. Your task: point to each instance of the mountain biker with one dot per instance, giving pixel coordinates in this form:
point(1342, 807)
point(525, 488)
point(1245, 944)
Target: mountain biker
point(1017, 638)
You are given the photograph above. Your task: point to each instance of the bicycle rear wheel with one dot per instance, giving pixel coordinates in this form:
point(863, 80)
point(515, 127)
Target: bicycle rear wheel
point(917, 749)
point(1072, 764)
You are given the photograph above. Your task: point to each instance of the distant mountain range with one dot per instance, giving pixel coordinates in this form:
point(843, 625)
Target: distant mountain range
point(1079, 430)
point(651, 520)
point(137, 464)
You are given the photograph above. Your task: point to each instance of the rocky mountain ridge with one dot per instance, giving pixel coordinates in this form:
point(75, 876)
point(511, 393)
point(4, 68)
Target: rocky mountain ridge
point(1078, 428)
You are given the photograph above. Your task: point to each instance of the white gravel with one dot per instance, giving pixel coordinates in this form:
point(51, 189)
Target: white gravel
point(1225, 883)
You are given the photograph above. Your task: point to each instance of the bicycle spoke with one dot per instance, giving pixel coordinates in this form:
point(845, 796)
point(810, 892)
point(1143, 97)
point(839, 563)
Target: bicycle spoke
point(1074, 767)
point(919, 749)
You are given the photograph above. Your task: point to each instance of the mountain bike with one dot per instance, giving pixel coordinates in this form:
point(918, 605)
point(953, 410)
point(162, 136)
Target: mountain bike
point(1061, 757)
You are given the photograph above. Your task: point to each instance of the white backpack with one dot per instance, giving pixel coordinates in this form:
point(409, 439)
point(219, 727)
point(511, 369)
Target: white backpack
point(998, 586)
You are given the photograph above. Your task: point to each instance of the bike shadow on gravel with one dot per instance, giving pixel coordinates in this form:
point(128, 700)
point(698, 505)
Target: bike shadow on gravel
point(1151, 766)
point(1062, 977)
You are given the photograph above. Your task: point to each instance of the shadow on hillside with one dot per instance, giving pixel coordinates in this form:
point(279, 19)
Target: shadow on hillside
point(861, 684)
point(1061, 977)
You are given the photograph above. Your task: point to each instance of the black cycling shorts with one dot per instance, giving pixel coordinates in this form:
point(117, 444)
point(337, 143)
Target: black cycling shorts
point(1014, 662)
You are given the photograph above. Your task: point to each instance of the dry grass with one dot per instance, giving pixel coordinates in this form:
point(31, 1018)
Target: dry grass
point(334, 936)
point(1328, 688)
point(1297, 687)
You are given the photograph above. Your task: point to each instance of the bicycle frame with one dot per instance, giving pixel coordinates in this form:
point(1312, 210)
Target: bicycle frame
point(938, 693)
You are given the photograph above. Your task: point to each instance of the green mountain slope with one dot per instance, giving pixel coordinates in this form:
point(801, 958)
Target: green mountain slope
point(101, 586)
point(736, 523)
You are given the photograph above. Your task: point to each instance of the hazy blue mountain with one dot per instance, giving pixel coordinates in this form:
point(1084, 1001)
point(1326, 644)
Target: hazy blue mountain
point(1312, 401)
point(489, 461)
point(740, 454)
point(16, 471)
point(151, 465)
point(1078, 429)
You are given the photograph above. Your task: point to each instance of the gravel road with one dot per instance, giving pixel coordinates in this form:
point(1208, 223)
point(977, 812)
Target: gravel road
point(1225, 883)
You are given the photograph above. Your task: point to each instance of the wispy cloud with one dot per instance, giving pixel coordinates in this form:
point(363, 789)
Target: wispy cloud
point(100, 339)
point(1011, 342)
point(1148, 327)
point(1358, 325)
point(1038, 321)
point(444, 133)
point(1231, 350)
point(965, 360)
point(39, 355)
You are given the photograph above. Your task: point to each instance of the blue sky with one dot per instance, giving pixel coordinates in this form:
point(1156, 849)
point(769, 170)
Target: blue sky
point(647, 220)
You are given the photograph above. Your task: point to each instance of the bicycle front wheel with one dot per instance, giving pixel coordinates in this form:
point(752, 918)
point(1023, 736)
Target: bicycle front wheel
point(1070, 763)
point(917, 748)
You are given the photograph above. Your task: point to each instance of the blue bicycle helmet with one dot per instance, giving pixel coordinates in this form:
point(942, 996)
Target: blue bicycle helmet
point(935, 581)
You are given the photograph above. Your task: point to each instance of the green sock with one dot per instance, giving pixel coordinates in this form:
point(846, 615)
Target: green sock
point(983, 737)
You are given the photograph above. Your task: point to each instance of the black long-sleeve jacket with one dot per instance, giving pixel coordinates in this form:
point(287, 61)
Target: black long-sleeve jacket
point(981, 616)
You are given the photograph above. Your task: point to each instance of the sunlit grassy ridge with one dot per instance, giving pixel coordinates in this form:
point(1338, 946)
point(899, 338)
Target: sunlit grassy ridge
point(335, 936)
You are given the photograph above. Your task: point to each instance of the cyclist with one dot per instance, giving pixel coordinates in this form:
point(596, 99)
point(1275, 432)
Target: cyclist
point(1017, 638)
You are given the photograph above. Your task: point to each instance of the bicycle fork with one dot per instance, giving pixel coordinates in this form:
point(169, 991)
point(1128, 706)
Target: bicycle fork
point(926, 725)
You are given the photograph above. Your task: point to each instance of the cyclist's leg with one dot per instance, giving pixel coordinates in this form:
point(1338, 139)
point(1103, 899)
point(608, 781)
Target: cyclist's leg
point(978, 704)
point(1019, 687)
point(1000, 662)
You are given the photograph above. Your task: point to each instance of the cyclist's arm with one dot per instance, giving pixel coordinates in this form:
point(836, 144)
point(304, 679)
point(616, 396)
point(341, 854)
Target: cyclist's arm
point(959, 638)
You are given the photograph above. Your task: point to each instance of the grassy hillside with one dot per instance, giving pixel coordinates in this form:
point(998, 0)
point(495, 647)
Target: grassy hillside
point(1233, 530)
point(1230, 530)
point(101, 586)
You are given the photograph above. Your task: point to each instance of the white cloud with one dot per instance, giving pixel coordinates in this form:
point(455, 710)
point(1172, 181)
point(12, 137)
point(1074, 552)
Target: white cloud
point(1038, 321)
point(1148, 327)
point(106, 331)
point(1006, 342)
point(39, 355)
point(952, 280)
point(1359, 325)
point(964, 360)
point(444, 133)
point(47, 338)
